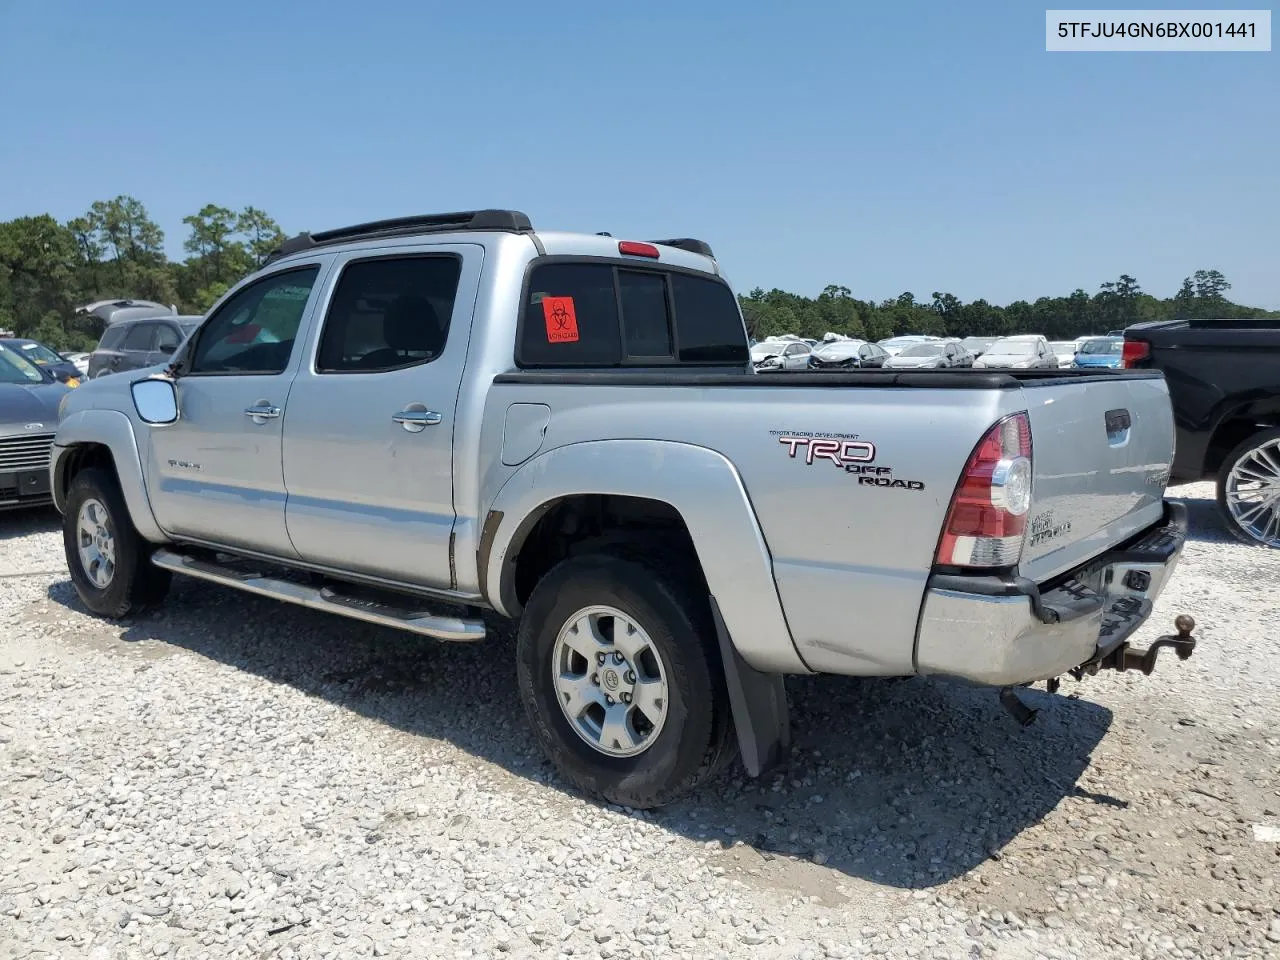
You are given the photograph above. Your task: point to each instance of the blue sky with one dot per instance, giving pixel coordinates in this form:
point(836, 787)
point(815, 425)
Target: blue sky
point(890, 147)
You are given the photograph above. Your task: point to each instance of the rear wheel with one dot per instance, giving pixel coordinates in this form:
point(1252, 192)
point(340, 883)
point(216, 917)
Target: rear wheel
point(619, 675)
point(1249, 489)
point(109, 561)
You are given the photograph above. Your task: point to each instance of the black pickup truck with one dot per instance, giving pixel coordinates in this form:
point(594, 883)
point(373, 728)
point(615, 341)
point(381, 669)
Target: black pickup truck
point(1224, 383)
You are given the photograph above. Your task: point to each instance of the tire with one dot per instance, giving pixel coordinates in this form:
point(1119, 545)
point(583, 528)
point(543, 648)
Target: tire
point(131, 584)
point(693, 738)
point(1263, 446)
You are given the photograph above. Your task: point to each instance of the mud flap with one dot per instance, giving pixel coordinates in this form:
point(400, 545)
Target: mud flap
point(759, 704)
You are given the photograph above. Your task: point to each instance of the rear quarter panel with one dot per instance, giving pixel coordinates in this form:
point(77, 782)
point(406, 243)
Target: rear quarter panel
point(850, 555)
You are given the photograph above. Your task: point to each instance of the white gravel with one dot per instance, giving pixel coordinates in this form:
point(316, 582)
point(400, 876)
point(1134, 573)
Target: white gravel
point(232, 777)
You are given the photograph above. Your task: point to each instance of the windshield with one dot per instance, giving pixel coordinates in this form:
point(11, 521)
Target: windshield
point(1013, 348)
point(839, 349)
point(38, 353)
point(977, 343)
point(187, 326)
point(15, 368)
point(762, 350)
point(1102, 347)
point(922, 350)
point(1062, 346)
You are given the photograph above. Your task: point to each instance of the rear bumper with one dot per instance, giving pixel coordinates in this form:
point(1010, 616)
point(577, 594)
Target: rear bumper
point(1007, 631)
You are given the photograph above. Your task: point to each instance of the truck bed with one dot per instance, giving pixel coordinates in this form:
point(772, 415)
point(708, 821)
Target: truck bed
point(852, 544)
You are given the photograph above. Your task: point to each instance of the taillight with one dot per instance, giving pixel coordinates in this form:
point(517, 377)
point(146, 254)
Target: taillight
point(988, 513)
point(1134, 352)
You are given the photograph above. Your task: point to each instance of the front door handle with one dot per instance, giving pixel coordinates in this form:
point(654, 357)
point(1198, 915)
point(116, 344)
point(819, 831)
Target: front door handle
point(262, 412)
point(415, 421)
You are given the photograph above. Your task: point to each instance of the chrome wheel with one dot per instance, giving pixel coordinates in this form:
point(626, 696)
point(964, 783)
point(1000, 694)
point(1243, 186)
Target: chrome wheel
point(1253, 493)
point(96, 543)
point(610, 681)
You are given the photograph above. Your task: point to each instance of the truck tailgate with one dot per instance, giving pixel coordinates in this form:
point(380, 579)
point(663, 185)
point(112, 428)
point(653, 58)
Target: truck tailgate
point(1102, 448)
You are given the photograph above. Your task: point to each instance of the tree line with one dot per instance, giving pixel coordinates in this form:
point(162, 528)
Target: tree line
point(1116, 305)
point(115, 250)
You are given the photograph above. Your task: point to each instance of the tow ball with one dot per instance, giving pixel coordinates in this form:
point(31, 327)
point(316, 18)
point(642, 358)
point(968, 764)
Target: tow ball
point(1127, 658)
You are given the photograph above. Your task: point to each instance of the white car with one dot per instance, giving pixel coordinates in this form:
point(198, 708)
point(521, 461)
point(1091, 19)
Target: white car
point(895, 345)
point(1026, 352)
point(1065, 351)
point(771, 356)
point(81, 360)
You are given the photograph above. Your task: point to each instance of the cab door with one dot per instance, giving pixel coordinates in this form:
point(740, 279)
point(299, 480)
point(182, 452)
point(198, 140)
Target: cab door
point(216, 474)
point(368, 436)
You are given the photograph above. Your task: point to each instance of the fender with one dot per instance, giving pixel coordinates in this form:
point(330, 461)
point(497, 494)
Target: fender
point(703, 487)
point(114, 430)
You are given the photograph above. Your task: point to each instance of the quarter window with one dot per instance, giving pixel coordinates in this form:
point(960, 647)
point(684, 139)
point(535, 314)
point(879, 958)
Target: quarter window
point(254, 331)
point(167, 338)
point(389, 313)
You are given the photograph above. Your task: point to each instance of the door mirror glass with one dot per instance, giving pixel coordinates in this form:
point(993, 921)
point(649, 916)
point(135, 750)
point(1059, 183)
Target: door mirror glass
point(155, 400)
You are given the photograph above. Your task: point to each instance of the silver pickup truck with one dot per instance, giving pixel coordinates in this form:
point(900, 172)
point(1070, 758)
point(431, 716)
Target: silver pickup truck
point(415, 422)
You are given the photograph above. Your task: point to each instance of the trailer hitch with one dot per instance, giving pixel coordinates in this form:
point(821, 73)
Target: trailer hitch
point(1126, 657)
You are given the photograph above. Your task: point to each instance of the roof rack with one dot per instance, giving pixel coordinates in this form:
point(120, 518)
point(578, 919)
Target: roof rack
point(494, 220)
point(686, 243)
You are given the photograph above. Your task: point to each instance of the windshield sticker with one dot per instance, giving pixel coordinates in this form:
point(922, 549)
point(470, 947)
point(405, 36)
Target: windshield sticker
point(562, 319)
point(856, 457)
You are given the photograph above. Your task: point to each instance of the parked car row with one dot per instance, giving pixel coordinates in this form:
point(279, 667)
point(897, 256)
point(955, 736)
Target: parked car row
point(915, 352)
point(29, 398)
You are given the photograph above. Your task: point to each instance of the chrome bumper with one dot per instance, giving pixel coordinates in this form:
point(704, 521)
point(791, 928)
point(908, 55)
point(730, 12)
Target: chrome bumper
point(1011, 631)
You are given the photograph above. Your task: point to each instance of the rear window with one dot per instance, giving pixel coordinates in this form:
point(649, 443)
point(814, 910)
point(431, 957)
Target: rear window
point(580, 314)
point(710, 325)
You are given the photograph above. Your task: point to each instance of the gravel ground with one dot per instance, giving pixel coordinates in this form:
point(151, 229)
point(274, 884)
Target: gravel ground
point(233, 777)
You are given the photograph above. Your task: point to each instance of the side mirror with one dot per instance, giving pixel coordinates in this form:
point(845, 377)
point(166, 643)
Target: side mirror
point(156, 400)
point(166, 350)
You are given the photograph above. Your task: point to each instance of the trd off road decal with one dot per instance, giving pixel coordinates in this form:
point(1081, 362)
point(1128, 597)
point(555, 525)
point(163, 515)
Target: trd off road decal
point(847, 451)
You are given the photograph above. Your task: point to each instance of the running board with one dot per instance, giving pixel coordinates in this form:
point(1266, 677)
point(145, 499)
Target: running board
point(327, 599)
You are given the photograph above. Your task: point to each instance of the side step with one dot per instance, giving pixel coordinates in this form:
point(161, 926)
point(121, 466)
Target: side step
point(327, 599)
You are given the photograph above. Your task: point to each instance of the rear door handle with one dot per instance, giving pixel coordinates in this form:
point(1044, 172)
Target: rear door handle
point(415, 421)
point(262, 412)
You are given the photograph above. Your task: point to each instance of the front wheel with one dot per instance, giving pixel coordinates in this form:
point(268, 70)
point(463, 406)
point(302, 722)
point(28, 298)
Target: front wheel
point(1249, 489)
point(109, 561)
point(619, 675)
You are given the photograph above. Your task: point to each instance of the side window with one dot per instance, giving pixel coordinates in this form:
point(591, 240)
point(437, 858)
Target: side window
point(708, 322)
point(167, 338)
point(140, 337)
point(253, 332)
point(570, 317)
point(111, 338)
point(864, 352)
point(389, 313)
point(645, 319)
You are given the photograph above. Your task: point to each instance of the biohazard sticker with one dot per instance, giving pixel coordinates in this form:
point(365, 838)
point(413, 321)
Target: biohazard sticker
point(562, 319)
